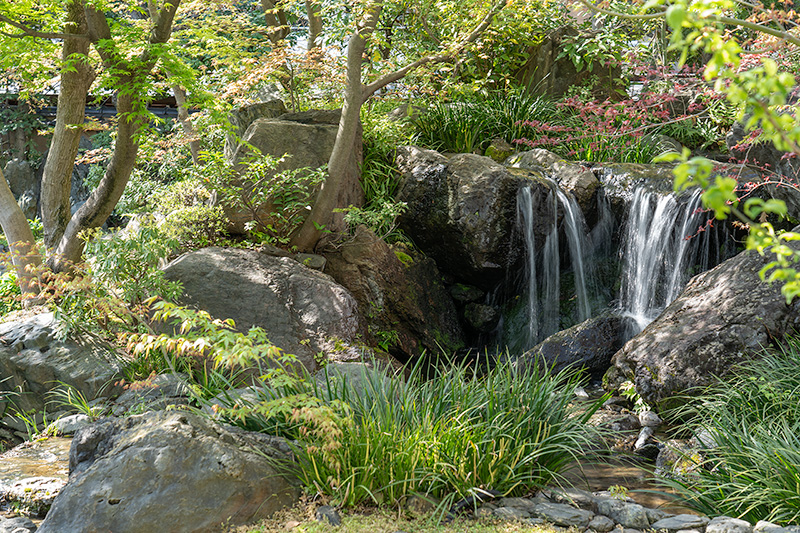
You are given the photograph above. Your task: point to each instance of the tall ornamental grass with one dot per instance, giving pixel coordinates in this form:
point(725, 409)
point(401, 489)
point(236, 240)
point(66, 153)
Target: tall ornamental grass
point(469, 123)
point(509, 430)
point(749, 424)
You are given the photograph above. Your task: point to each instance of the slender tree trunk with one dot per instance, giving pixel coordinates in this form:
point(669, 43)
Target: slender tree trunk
point(311, 230)
point(314, 13)
point(186, 123)
point(20, 238)
point(104, 198)
point(355, 95)
point(76, 79)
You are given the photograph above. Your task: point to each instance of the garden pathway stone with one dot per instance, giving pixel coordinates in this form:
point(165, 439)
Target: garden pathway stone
point(681, 522)
point(563, 515)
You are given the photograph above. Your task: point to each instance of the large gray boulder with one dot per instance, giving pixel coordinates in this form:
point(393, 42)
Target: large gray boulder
point(462, 211)
point(241, 118)
point(308, 139)
point(400, 293)
point(34, 361)
point(589, 345)
point(303, 311)
point(169, 471)
point(724, 316)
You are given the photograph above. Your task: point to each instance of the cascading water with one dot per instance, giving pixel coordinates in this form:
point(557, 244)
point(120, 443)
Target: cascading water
point(659, 248)
point(574, 226)
point(543, 273)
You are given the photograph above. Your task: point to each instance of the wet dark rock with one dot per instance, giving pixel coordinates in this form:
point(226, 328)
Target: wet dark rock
point(483, 318)
point(400, 293)
point(589, 345)
point(571, 177)
point(465, 293)
point(329, 515)
point(462, 212)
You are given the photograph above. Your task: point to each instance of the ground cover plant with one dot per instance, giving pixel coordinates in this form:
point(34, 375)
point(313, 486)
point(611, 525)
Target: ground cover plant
point(748, 426)
point(378, 439)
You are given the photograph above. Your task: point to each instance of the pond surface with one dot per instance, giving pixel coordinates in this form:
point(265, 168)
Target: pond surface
point(44, 458)
point(634, 476)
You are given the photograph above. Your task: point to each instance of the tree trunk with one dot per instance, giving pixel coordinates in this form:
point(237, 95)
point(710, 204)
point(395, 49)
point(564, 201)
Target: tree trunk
point(314, 13)
point(20, 239)
point(102, 201)
point(311, 230)
point(76, 79)
point(186, 123)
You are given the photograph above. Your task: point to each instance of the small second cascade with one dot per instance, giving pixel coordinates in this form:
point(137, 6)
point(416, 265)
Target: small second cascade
point(661, 245)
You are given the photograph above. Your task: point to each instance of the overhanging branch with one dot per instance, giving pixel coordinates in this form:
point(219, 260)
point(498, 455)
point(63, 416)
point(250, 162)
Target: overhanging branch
point(442, 57)
point(30, 32)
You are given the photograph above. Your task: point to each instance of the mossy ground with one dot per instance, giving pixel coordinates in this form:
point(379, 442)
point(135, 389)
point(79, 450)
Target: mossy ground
point(371, 520)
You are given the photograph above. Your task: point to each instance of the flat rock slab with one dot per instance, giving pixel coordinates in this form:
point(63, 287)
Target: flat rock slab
point(681, 521)
point(564, 515)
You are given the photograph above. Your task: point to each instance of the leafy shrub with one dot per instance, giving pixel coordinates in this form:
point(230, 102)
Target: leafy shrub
point(188, 217)
point(380, 439)
point(128, 262)
point(10, 293)
point(277, 201)
point(750, 427)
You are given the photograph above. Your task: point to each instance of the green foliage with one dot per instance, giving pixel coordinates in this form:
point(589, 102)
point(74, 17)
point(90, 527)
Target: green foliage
point(376, 438)
point(10, 293)
point(749, 424)
point(197, 334)
point(67, 396)
point(380, 218)
point(188, 216)
point(128, 262)
point(470, 122)
point(276, 200)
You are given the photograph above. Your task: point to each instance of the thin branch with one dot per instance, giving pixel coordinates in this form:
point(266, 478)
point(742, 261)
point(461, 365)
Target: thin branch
point(619, 14)
point(30, 32)
point(716, 18)
point(383, 81)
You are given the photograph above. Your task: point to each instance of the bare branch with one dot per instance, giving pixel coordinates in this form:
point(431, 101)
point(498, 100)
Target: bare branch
point(442, 57)
point(30, 32)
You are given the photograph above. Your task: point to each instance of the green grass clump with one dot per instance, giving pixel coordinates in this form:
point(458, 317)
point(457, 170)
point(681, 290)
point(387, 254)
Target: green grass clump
point(469, 123)
point(750, 426)
point(508, 430)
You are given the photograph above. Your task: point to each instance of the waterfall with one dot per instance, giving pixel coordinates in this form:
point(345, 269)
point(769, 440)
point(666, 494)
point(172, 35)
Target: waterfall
point(525, 221)
point(543, 270)
point(574, 226)
point(659, 247)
